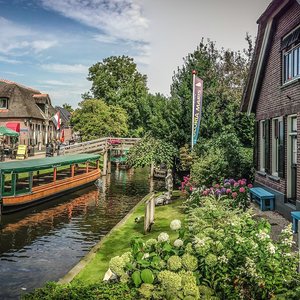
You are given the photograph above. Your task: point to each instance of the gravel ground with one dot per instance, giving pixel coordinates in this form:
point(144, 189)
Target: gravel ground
point(277, 221)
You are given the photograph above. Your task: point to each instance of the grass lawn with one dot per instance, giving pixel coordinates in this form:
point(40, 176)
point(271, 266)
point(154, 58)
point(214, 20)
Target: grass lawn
point(119, 241)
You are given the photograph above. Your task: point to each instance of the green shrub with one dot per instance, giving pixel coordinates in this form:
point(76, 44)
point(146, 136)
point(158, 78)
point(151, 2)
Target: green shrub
point(99, 291)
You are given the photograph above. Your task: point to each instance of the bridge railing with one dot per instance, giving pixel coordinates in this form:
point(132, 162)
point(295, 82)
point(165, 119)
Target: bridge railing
point(100, 145)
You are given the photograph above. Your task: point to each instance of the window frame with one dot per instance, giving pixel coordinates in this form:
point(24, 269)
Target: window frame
point(276, 144)
point(6, 99)
point(289, 64)
point(262, 145)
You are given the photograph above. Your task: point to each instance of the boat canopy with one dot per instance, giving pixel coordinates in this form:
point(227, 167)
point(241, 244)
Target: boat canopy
point(45, 163)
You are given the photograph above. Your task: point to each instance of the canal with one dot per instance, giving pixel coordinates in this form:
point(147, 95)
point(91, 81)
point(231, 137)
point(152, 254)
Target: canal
point(43, 243)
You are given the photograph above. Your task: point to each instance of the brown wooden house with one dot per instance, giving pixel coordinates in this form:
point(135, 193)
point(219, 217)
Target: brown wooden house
point(272, 93)
point(27, 111)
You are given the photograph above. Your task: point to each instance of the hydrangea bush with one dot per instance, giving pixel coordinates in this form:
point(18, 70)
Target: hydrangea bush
point(221, 253)
point(236, 190)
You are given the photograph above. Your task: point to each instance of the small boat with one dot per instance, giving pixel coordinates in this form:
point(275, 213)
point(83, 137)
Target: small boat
point(24, 183)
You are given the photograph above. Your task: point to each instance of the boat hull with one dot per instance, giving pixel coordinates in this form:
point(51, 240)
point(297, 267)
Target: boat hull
point(48, 191)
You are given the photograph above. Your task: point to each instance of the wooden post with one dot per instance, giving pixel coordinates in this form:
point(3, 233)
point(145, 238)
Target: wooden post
point(152, 170)
point(149, 214)
point(87, 167)
point(105, 163)
point(54, 174)
point(108, 162)
point(72, 170)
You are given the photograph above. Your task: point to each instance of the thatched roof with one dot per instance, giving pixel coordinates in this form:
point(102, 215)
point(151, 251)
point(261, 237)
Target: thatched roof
point(23, 101)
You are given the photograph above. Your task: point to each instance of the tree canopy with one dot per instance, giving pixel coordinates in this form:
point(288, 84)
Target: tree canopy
point(117, 81)
point(95, 119)
point(224, 73)
point(68, 107)
point(150, 150)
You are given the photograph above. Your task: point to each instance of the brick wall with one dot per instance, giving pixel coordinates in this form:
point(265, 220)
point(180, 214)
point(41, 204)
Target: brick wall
point(275, 100)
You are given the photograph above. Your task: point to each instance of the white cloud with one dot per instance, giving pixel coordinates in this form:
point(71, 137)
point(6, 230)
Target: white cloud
point(143, 56)
point(14, 73)
point(19, 40)
point(64, 68)
point(56, 83)
point(102, 38)
point(40, 45)
point(9, 60)
point(121, 19)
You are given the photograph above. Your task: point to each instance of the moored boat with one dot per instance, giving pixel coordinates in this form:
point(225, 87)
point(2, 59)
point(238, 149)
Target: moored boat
point(24, 183)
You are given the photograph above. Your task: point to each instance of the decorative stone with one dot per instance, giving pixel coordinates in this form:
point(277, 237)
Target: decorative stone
point(109, 275)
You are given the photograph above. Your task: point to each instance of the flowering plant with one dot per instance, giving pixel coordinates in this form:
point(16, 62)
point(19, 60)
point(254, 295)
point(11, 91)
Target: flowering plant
point(187, 185)
point(237, 191)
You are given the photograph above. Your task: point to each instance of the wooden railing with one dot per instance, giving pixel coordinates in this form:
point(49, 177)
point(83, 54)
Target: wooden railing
point(100, 145)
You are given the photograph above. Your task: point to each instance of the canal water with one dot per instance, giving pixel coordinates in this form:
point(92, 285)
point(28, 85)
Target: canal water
point(43, 243)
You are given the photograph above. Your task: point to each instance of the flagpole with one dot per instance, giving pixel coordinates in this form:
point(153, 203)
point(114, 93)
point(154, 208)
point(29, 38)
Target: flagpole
point(193, 109)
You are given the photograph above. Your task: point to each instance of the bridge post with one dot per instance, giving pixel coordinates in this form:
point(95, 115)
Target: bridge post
point(108, 162)
point(104, 173)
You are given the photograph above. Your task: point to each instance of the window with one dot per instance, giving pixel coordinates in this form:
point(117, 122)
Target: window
point(290, 44)
point(292, 64)
point(262, 145)
point(3, 103)
point(277, 146)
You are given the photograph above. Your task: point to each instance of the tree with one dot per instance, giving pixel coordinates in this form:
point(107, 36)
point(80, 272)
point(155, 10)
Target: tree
point(224, 73)
point(95, 119)
point(163, 118)
point(68, 107)
point(117, 81)
point(150, 150)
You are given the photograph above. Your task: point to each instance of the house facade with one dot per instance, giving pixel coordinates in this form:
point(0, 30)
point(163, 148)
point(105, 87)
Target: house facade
point(272, 93)
point(28, 112)
point(66, 132)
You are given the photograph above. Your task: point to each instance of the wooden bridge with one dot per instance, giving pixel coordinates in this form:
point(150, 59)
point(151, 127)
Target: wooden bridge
point(103, 146)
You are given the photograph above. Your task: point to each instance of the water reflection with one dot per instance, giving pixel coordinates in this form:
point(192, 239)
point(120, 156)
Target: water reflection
point(44, 242)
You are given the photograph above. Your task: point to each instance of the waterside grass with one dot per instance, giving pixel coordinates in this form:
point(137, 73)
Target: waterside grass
point(119, 240)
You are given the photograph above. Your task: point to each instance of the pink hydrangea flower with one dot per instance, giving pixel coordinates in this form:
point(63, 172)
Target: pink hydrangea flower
point(242, 190)
point(236, 184)
point(234, 194)
point(204, 193)
point(250, 186)
point(217, 186)
point(228, 191)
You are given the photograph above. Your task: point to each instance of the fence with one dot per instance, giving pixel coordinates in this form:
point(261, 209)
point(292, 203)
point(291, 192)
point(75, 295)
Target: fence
point(149, 213)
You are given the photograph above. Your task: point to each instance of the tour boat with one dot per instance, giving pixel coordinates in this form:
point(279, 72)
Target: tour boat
point(25, 183)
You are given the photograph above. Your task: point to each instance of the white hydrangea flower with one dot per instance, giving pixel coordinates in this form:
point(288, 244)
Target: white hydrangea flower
point(262, 235)
point(146, 255)
point(251, 267)
point(288, 241)
point(287, 229)
point(163, 237)
point(271, 248)
point(223, 259)
point(178, 243)
point(199, 242)
point(175, 224)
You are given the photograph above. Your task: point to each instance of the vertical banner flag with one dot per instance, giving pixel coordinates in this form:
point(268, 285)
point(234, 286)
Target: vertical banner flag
point(197, 107)
point(57, 119)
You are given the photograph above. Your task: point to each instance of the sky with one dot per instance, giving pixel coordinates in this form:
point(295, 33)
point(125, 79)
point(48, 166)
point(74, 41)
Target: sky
point(50, 44)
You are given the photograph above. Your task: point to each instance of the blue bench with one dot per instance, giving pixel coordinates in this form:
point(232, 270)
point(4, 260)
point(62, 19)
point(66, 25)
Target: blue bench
point(296, 218)
point(265, 199)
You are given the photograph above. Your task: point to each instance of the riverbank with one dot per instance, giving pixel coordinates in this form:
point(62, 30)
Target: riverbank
point(92, 267)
